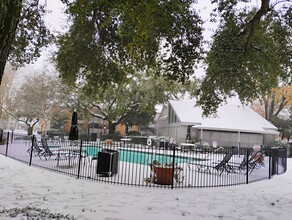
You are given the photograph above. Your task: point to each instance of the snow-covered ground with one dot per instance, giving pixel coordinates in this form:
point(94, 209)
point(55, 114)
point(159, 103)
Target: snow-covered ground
point(29, 193)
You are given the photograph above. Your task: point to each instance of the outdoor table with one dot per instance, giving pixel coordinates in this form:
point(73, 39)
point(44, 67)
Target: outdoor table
point(70, 150)
point(125, 140)
point(187, 147)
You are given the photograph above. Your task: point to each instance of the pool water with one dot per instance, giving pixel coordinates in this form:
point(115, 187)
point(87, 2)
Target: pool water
point(139, 157)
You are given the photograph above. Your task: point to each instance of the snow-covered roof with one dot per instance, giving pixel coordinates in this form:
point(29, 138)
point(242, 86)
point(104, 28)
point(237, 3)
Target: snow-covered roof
point(228, 117)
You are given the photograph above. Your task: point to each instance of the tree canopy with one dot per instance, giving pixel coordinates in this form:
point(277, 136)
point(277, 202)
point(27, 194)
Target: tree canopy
point(250, 54)
point(23, 32)
point(250, 50)
point(131, 102)
point(107, 39)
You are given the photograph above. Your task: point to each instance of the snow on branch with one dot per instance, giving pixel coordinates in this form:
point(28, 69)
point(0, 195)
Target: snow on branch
point(100, 109)
point(103, 117)
point(5, 110)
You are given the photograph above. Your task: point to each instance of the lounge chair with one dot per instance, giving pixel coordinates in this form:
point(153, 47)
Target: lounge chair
point(35, 148)
point(73, 152)
point(94, 157)
point(47, 151)
point(257, 161)
point(84, 155)
point(248, 165)
point(240, 166)
point(219, 167)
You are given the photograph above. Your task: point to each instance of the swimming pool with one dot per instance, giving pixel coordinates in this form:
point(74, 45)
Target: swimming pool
point(141, 157)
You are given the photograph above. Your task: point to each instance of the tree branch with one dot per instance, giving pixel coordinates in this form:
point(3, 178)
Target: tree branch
point(33, 124)
point(279, 2)
point(254, 22)
point(100, 109)
point(97, 115)
point(5, 110)
point(283, 103)
point(113, 102)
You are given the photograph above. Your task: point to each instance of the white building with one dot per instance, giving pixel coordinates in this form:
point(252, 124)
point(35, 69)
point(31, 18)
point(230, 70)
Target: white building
point(234, 125)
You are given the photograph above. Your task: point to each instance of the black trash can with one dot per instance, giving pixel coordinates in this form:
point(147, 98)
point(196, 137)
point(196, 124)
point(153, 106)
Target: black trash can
point(275, 158)
point(107, 162)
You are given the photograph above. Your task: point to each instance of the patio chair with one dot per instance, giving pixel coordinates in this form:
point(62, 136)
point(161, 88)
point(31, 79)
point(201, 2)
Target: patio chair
point(35, 148)
point(73, 152)
point(47, 151)
point(248, 165)
point(219, 167)
point(238, 166)
point(256, 161)
point(94, 157)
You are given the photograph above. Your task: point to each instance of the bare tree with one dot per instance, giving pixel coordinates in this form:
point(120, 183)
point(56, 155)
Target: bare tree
point(6, 90)
point(38, 100)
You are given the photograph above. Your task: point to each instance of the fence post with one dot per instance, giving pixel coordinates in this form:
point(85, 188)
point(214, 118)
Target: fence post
point(173, 167)
point(31, 150)
point(270, 163)
point(247, 161)
point(7, 143)
point(79, 164)
point(286, 155)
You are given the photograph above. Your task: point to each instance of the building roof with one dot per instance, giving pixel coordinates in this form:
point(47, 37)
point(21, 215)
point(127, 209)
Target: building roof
point(229, 117)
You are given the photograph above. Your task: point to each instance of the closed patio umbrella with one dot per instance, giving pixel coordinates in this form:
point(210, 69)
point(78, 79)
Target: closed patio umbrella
point(73, 135)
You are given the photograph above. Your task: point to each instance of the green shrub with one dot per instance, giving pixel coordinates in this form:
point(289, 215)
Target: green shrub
point(279, 144)
point(3, 141)
point(84, 137)
point(266, 149)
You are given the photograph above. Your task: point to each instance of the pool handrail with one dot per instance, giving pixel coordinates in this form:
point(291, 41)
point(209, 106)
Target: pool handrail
point(219, 148)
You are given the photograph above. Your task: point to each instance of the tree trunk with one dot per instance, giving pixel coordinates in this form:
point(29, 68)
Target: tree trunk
point(271, 108)
point(111, 127)
point(266, 104)
point(9, 19)
point(30, 130)
point(43, 125)
point(254, 22)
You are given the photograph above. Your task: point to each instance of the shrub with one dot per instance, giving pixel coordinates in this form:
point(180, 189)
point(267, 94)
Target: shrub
point(3, 141)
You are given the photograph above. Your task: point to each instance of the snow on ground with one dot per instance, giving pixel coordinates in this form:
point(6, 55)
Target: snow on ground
point(32, 193)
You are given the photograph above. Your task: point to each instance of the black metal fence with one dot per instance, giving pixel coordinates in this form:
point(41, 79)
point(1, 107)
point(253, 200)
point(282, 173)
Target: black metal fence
point(166, 166)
